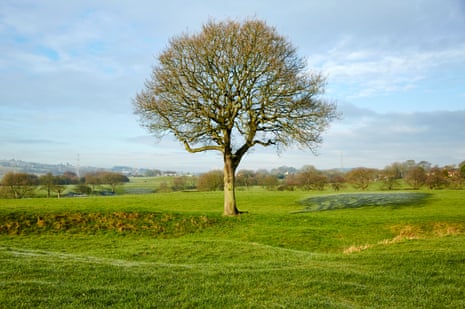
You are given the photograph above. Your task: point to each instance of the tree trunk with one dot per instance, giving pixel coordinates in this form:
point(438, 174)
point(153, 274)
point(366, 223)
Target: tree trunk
point(230, 208)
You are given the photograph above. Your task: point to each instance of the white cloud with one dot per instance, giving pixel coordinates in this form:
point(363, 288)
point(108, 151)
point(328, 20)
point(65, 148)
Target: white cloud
point(371, 72)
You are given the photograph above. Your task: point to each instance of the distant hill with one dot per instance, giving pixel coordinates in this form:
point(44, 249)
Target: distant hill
point(13, 165)
point(33, 167)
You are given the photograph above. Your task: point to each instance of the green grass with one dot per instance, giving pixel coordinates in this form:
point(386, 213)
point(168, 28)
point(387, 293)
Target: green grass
point(73, 253)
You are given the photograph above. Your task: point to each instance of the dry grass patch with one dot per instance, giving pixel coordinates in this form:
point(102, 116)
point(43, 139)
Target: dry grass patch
point(406, 232)
point(154, 224)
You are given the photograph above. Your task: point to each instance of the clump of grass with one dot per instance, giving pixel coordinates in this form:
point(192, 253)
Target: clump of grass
point(163, 225)
point(357, 200)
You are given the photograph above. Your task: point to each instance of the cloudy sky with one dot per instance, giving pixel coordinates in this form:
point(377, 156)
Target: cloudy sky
point(69, 71)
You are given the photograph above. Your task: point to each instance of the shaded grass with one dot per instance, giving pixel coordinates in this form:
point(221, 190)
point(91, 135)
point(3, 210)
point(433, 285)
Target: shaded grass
point(357, 200)
point(268, 258)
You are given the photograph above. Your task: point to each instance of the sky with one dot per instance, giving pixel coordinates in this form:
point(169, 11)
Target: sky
point(69, 71)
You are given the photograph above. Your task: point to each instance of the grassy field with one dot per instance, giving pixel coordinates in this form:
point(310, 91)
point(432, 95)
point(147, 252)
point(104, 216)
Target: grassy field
point(291, 250)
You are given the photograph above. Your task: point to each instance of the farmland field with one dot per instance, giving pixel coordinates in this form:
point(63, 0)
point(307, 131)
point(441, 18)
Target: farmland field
point(293, 249)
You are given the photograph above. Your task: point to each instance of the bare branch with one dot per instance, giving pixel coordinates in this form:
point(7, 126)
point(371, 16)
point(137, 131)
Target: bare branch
point(233, 86)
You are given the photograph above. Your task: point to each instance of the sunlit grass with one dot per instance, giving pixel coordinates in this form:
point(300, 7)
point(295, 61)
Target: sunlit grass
point(407, 256)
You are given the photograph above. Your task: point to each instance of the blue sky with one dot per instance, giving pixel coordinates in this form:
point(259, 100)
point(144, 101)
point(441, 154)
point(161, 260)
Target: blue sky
point(69, 71)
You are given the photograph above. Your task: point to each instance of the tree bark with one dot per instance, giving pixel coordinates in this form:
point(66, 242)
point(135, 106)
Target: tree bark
point(230, 208)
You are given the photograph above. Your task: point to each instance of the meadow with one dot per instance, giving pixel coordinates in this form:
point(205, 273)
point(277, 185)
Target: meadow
point(292, 249)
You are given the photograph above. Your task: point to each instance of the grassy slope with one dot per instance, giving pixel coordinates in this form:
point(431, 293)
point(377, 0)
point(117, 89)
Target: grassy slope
point(402, 256)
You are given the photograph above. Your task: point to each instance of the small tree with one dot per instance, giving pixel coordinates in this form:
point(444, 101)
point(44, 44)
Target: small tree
point(92, 180)
point(113, 179)
point(361, 177)
point(69, 178)
point(20, 184)
point(210, 181)
point(59, 189)
point(269, 182)
point(309, 178)
point(390, 177)
point(416, 177)
point(462, 169)
point(48, 181)
point(83, 189)
point(246, 178)
point(231, 87)
point(437, 178)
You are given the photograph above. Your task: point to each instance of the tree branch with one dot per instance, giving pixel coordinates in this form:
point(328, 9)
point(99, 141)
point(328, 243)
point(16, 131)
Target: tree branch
point(200, 149)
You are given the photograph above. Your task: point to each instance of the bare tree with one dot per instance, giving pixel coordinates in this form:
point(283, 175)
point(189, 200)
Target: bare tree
point(416, 177)
point(361, 177)
point(20, 184)
point(309, 178)
point(113, 179)
point(390, 176)
point(230, 87)
point(48, 181)
point(210, 181)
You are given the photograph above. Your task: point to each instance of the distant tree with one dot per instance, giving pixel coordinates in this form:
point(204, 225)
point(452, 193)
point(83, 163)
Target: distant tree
point(425, 165)
point(231, 87)
point(266, 179)
point(283, 171)
point(83, 189)
point(462, 169)
point(183, 183)
point(113, 179)
point(70, 178)
point(152, 173)
point(164, 187)
point(291, 182)
point(436, 178)
point(59, 188)
point(47, 182)
point(309, 178)
point(246, 178)
point(179, 183)
point(416, 177)
point(260, 175)
point(211, 181)
point(336, 179)
point(390, 177)
point(19, 184)
point(397, 170)
point(269, 182)
point(93, 179)
point(361, 177)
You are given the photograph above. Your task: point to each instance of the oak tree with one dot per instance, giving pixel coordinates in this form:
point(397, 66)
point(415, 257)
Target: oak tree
point(230, 87)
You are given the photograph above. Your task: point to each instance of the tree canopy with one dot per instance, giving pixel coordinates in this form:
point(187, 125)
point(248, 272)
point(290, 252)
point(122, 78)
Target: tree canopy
point(233, 86)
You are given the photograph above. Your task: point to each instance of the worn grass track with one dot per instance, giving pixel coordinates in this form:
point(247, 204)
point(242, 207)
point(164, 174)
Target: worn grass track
point(381, 257)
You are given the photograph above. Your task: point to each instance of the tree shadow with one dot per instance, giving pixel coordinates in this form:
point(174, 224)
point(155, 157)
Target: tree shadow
point(358, 200)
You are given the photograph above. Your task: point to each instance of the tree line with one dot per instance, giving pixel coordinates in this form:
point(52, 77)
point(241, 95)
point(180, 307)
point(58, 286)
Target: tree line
point(19, 185)
point(398, 175)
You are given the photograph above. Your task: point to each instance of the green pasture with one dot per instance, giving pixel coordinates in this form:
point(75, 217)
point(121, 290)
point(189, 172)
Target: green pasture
point(292, 249)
